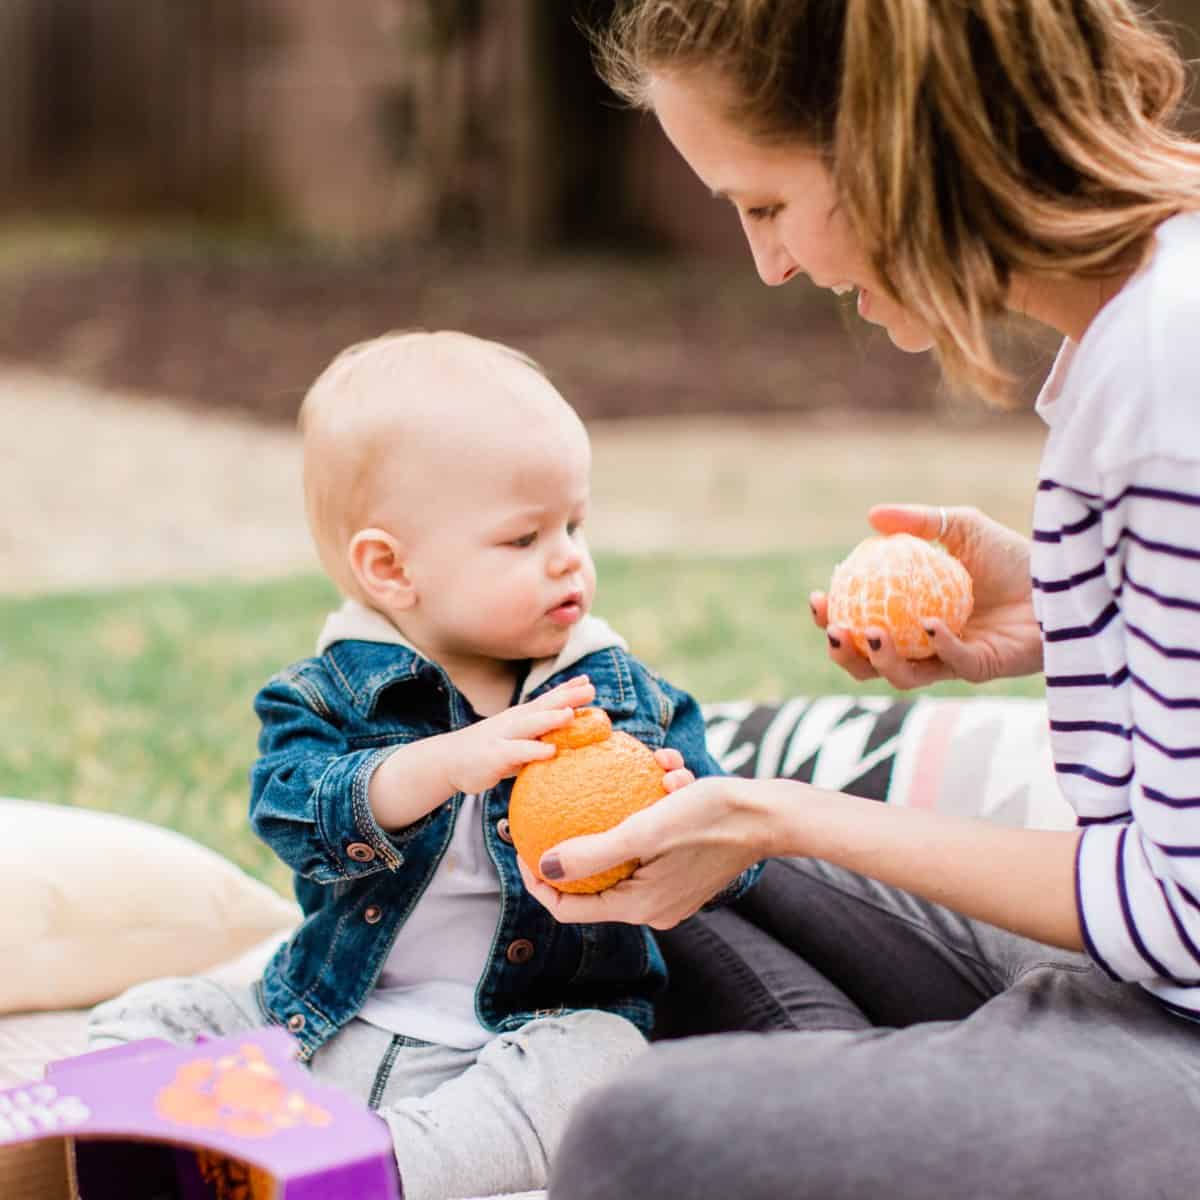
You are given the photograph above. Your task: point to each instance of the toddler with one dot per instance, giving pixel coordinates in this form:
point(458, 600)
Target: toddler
point(446, 484)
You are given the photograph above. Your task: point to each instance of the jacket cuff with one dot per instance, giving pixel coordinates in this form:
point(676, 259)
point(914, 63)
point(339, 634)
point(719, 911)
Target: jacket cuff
point(735, 889)
point(353, 838)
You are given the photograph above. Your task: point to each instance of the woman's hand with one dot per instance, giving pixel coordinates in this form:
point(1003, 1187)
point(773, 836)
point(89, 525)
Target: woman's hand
point(690, 845)
point(1000, 639)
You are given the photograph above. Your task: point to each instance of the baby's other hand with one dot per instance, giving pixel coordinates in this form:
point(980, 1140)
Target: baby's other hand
point(677, 775)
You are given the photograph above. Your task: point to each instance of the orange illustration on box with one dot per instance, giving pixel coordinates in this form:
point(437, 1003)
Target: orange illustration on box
point(238, 1093)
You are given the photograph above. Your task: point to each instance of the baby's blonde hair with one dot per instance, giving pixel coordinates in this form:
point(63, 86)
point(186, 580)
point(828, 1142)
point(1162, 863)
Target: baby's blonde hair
point(967, 141)
point(356, 415)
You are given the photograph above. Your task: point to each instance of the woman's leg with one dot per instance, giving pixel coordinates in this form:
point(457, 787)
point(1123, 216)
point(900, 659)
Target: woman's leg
point(984, 1065)
point(815, 947)
point(1067, 1086)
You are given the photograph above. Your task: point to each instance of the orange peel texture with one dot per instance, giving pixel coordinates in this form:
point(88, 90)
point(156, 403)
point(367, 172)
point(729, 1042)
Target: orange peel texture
point(595, 780)
point(896, 581)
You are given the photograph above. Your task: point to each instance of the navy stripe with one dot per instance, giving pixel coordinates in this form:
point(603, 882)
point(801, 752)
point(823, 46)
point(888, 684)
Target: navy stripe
point(1188, 1014)
point(1052, 485)
point(1179, 851)
point(1168, 548)
point(1121, 818)
point(1057, 535)
point(1165, 651)
point(1170, 801)
point(1165, 601)
point(1092, 727)
point(1075, 632)
point(1165, 701)
point(1090, 773)
point(1175, 752)
point(1100, 680)
point(1086, 933)
point(1127, 912)
point(1065, 585)
point(1184, 937)
point(1154, 493)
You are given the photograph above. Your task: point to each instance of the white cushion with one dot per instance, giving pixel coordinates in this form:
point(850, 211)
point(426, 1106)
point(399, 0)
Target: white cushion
point(91, 903)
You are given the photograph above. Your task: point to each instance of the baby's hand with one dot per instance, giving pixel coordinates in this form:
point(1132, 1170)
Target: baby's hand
point(677, 775)
point(494, 749)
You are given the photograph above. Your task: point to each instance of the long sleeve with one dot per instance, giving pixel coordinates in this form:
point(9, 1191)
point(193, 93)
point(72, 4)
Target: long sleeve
point(308, 789)
point(1139, 858)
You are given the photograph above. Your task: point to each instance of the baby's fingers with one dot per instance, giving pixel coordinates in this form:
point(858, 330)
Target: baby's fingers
point(577, 693)
point(668, 758)
point(674, 780)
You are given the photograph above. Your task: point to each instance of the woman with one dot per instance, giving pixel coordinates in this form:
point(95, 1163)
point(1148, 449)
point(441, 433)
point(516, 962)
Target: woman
point(966, 1010)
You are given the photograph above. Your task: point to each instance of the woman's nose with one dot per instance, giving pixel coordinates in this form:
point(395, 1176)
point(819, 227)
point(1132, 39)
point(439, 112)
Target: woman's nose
point(771, 259)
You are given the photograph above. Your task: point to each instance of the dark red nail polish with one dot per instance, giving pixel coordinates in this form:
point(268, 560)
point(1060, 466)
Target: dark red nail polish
point(552, 867)
point(874, 643)
point(836, 643)
point(929, 629)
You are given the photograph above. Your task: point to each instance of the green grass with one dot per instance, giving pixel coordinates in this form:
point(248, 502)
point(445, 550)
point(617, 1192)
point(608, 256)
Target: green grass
point(139, 701)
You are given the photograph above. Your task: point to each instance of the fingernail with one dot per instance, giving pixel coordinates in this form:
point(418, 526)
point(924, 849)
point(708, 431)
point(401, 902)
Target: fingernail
point(874, 643)
point(552, 868)
point(929, 629)
point(836, 643)
point(812, 608)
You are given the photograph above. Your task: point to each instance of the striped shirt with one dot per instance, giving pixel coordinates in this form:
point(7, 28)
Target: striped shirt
point(1116, 566)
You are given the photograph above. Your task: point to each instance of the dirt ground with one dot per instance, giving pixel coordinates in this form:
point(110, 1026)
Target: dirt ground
point(150, 384)
point(101, 488)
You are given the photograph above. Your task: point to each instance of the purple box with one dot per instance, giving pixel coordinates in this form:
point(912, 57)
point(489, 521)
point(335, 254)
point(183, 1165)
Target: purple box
point(228, 1119)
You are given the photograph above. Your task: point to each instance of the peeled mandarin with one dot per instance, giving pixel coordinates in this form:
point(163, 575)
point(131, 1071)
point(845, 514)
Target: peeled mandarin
point(896, 581)
point(595, 780)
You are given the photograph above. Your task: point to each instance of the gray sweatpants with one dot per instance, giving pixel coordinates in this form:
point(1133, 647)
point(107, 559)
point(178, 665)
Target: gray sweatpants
point(463, 1122)
point(898, 1050)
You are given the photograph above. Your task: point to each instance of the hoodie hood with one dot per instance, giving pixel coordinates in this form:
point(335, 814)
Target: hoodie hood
point(355, 622)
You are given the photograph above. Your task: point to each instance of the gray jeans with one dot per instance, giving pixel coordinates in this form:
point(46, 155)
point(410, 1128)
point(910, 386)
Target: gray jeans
point(463, 1122)
point(898, 1050)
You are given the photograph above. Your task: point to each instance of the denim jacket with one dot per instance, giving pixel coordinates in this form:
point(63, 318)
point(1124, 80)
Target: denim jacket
point(327, 723)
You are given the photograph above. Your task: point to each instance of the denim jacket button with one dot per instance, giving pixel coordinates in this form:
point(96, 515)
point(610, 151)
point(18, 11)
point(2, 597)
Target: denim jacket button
point(372, 914)
point(503, 830)
point(360, 852)
point(296, 1022)
point(520, 951)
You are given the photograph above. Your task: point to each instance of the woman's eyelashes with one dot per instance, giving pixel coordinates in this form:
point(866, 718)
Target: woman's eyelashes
point(763, 212)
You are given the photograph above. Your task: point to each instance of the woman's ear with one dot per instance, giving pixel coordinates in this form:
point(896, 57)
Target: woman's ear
point(377, 562)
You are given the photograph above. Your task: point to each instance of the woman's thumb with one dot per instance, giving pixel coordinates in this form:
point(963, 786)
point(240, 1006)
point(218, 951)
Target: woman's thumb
point(579, 857)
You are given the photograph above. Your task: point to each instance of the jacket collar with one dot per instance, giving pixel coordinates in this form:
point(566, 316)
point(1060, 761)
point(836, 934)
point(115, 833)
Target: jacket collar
point(370, 654)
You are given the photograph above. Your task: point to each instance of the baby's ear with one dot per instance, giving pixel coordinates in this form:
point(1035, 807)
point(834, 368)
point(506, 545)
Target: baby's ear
point(377, 562)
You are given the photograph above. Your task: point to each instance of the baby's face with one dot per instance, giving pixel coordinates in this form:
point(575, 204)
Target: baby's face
point(499, 560)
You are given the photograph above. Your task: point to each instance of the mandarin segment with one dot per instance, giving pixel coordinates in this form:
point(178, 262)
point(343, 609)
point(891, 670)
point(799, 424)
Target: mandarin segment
point(596, 779)
point(896, 581)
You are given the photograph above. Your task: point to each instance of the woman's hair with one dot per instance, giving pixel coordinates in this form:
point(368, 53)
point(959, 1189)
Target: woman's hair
point(967, 140)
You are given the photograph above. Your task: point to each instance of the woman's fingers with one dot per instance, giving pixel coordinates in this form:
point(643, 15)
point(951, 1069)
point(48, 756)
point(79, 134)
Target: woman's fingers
point(819, 605)
point(841, 649)
point(900, 672)
point(921, 520)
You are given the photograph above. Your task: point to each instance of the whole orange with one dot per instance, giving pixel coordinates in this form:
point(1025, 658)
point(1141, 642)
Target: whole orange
point(596, 779)
point(895, 581)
